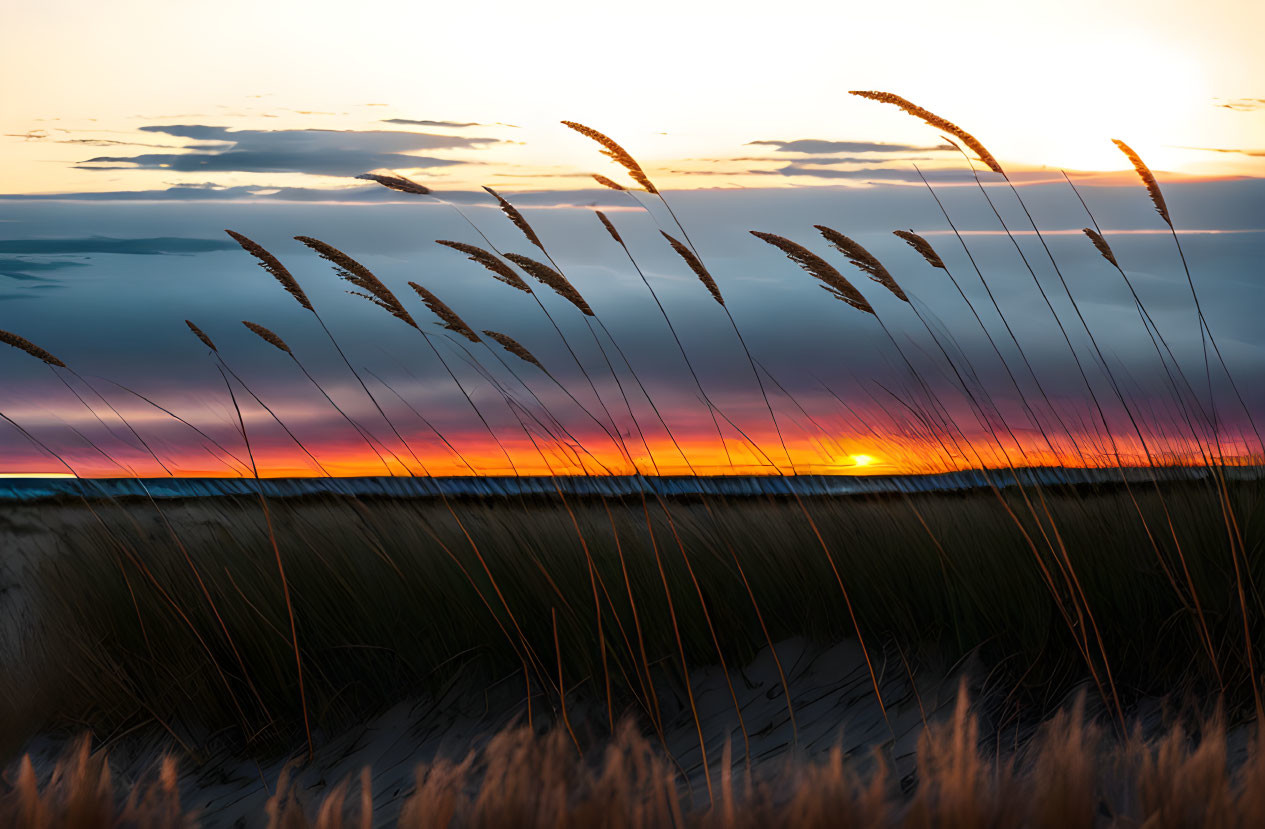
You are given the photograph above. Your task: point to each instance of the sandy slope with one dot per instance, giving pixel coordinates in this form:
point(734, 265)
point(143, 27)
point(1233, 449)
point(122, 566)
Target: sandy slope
point(833, 701)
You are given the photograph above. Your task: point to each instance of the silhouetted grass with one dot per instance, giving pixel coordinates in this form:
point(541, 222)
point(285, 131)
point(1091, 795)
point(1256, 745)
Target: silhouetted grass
point(249, 624)
point(1070, 775)
point(390, 600)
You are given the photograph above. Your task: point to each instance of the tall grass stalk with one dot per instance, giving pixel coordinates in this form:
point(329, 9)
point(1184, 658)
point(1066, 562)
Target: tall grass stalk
point(272, 536)
point(1205, 332)
point(282, 275)
point(556, 279)
point(513, 280)
point(622, 157)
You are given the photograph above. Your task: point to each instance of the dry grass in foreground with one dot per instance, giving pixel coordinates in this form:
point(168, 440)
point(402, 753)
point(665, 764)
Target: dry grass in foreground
point(1071, 774)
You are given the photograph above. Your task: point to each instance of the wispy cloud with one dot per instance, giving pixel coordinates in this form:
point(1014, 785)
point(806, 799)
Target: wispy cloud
point(153, 246)
point(865, 173)
point(446, 124)
point(1247, 152)
point(817, 146)
point(833, 160)
point(314, 152)
point(207, 192)
point(25, 270)
point(107, 142)
point(1243, 104)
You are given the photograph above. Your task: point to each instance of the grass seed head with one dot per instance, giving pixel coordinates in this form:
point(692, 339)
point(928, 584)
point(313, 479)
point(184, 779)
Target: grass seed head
point(548, 276)
point(933, 120)
point(863, 259)
point(834, 282)
point(516, 217)
point(606, 182)
point(273, 266)
point(617, 154)
point(23, 344)
point(201, 335)
point(514, 347)
point(499, 269)
point(1101, 244)
point(697, 266)
point(268, 336)
point(923, 247)
point(610, 228)
point(399, 183)
point(452, 321)
point(1148, 178)
point(371, 288)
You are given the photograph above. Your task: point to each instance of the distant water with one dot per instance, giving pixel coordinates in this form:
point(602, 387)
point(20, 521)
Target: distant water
point(31, 489)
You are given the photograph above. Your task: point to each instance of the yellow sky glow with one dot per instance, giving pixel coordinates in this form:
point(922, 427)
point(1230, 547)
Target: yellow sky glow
point(1039, 83)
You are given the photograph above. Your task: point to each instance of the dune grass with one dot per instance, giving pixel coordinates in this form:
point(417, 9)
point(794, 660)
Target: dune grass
point(390, 600)
point(1071, 774)
point(250, 625)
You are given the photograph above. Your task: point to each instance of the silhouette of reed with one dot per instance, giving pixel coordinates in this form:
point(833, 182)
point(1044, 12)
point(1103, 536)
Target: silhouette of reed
point(378, 599)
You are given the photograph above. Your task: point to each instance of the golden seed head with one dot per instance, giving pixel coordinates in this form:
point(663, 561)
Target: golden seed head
point(863, 259)
point(1101, 244)
point(516, 217)
point(399, 183)
point(1148, 178)
point(610, 228)
point(268, 336)
point(371, 288)
point(23, 344)
point(617, 154)
point(606, 182)
point(499, 269)
point(834, 282)
point(548, 276)
point(514, 347)
point(450, 318)
point(697, 266)
point(923, 247)
point(931, 119)
point(273, 266)
point(201, 335)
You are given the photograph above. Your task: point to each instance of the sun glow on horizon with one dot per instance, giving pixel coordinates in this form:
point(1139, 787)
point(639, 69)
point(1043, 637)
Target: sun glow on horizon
point(35, 475)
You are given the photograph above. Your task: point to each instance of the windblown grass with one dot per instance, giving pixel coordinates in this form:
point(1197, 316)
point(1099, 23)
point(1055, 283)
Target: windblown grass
point(386, 592)
point(1070, 775)
point(280, 620)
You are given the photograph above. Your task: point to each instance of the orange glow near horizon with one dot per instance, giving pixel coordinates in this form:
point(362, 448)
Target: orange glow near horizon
point(822, 455)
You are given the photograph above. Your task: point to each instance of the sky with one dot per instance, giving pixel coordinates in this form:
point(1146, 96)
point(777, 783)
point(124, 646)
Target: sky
point(138, 131)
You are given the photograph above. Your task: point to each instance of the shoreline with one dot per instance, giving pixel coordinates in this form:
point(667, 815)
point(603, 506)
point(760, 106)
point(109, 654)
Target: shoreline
point(38, 489)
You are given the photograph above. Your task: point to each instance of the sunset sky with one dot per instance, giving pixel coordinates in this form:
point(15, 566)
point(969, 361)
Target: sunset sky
point(133, 133)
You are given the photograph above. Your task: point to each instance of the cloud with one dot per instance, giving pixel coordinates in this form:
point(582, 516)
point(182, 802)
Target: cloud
point(27, 271)
point(1250, 153)
point(155, 246)
point(822, 147)
point(448, 124)
point(866, 173)
point(206, 192)
point(107, 142)
point(845, 159)
point(314, 152)
point(1244, 104)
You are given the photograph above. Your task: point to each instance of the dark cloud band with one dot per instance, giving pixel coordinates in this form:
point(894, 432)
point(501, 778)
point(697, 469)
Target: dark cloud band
point(314, 152)
point(817, 146)
point(102, 244)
